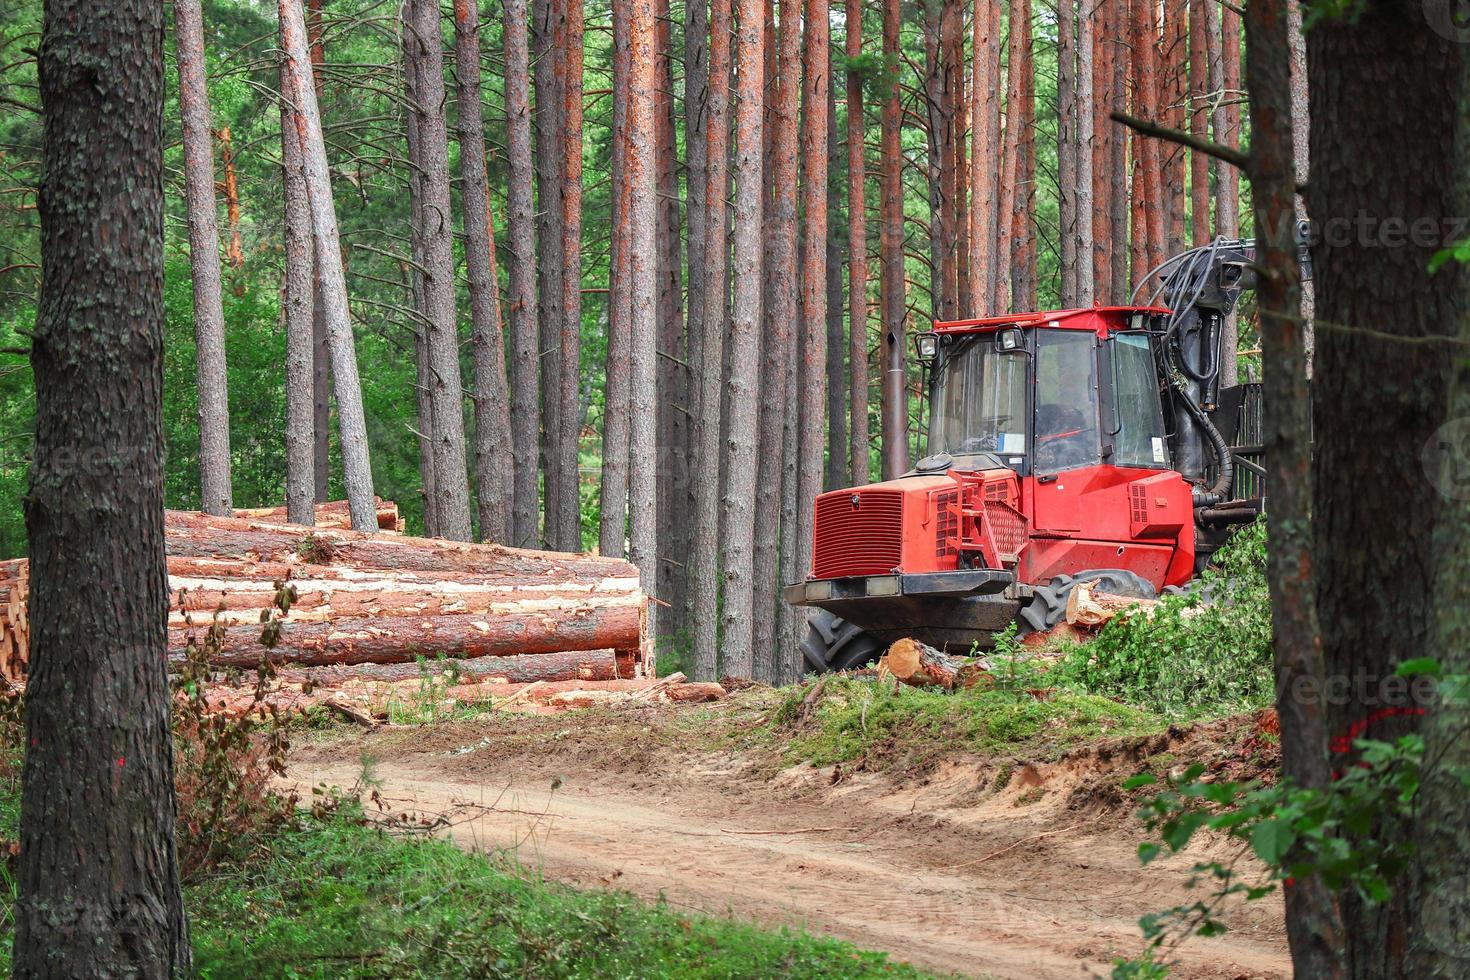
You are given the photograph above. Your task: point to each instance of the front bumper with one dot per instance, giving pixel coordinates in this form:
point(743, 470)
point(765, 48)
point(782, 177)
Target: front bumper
point(965, 582)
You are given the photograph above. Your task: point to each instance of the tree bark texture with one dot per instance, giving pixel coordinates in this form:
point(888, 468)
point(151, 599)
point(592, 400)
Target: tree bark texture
point(321, 364)
point(1312, 924)
point(211, 376)
point(985, 149)
point(1087, 283)
point(1021, 100)
point(674, 379)
point(778, 407)
point(737, 646)
point(1386, 87)
point(568, 535)
point(546, 36)
point(297, 311)
point(494, 460)
point(837, 397)
point(98, 877)
point(423, 398)
point(812, 390)
point(613, 517)
point(704, 554)
point(893, 283)
point(1067, 149)
point(1199, 124)
point(331, 277)
point(857, 248)
point(436, 226)
point(1117, 166)
point(520, 217)
point(642, 287)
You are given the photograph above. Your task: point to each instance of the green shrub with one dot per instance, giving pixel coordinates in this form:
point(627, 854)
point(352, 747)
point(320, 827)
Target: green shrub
point(1207, 652)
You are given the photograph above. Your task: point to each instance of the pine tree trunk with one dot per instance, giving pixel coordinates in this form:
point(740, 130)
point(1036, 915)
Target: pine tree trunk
point(1312, 924)
point(1087, 283)
point(212, 377)
point(737, 646)
point(494, 463)
point(1117, 167)
point(613, 518)
point(812, 347)
point(1150, 168)
point(546, 37)
point(321, 369)
point(696, 108)
point(1104, 51)
point(97, 875)
point(893, 284)
point(673, 377)
point(1023, 234)
point(423, 399)
point(778, 408)
point(1199, 124)
point(1067, 149)
point(704, 555)
point(1174, 89)
point(234, 249)
point(1301, 127)
point(331, 277)
point(297, 309)
point(984, 155)
point(451, 487)
point(568, 532)
point(954, 29)
point(642, 275)
point(520, 227)
point(857, 248)
point(1389, 86)
point(1225, 79)
point(837, 400)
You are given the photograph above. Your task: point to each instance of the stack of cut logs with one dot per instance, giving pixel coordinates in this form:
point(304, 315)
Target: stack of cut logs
point(383, 606)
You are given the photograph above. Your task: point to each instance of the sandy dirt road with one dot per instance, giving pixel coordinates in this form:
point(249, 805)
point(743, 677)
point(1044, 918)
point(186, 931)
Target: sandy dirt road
point(948, 872)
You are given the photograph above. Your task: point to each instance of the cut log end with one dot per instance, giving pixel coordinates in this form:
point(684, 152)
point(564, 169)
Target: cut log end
point(920, 665)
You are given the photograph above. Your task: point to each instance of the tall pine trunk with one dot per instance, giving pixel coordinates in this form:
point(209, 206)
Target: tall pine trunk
point(331, 277)
point(321, 369)
point(1067, 148)
point(212, 377)
point(857, 247)
point(774, 536)
point(1199, 124)
point(567, 535)
point(423, 370)
point(737, 646)
point(1087, 283)
point(642, 276)
point(704, 555)
point(451, 480)
point(520, 216)
point(614, 510)
point(494, 460)
point(893, 282)
point(297, 312)
point(98, 877)
point(837, 401)
point(812, 389)
point(1022, 101)
point(546, 37)
point(673, 374)
point(985, 153)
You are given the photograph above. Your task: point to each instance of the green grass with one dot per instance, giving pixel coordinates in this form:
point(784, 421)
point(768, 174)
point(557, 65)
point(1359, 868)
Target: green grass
point(899, 728)
point(344, 900)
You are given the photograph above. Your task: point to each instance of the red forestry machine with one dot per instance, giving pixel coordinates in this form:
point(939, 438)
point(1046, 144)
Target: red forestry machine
point(1091, 445)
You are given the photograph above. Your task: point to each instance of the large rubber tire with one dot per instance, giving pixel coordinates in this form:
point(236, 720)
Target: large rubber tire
point(835, 644)
point(1048, 606)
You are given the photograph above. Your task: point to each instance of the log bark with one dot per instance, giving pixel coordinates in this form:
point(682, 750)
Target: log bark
point(576, 665)
point(920, 665)
point(1088, 608)
point(333, 514)
point(209, 318)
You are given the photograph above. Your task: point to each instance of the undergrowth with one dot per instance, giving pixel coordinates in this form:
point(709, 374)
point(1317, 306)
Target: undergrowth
point(339, 899)
point(1204, 653)
point(899, 728)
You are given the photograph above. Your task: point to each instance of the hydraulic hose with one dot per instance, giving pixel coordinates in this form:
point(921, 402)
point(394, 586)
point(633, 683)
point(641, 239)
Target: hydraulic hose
point(1226, 475)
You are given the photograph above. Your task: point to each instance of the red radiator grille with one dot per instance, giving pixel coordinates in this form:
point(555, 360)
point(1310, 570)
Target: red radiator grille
point(866, 539)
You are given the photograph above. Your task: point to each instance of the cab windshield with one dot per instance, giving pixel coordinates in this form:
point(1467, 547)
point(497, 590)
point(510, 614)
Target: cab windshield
point(979, 400)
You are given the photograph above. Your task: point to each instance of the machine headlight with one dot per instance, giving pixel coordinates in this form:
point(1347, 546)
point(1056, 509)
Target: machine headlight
point(927, 346)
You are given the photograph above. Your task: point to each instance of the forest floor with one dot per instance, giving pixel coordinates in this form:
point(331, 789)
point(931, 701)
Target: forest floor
point(1008, 859)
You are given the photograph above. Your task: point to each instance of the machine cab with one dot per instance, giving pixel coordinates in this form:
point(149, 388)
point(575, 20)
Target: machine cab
point(1045, 393)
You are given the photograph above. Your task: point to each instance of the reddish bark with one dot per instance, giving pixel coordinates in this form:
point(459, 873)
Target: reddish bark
point(1199, 123)
point(985, 155)
point(857, 243)
point(234, 251)
point(567, 533)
